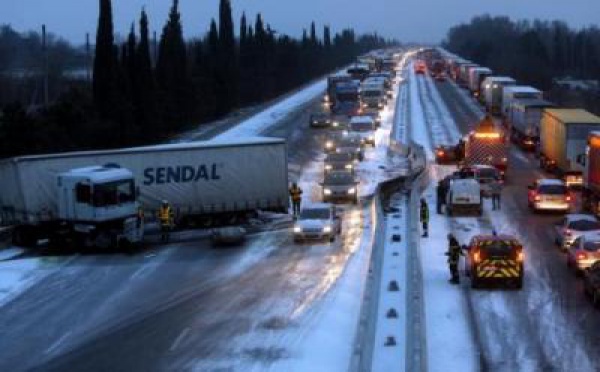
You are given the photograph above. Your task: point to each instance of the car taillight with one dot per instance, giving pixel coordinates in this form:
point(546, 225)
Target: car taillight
point(537, 198)
point(476, 257)
point(568, 198)
point(581, 255)
point(440, 153)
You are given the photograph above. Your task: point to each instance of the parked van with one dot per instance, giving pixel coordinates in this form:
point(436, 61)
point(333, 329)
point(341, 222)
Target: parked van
point(464, 196)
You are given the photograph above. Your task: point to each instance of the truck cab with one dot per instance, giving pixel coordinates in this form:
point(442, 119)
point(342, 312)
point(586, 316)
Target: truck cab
point(100, 203)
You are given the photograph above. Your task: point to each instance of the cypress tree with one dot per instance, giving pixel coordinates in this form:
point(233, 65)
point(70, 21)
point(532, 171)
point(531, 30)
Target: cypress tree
point(171, 70)
point(227, 67)
point(145, 98)
point(103, 84)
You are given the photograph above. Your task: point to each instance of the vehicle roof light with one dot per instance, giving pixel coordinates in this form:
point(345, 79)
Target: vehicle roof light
point(487, 135)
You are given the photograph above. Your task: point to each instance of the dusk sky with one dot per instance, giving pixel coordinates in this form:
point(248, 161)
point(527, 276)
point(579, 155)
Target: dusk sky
point(407, 20)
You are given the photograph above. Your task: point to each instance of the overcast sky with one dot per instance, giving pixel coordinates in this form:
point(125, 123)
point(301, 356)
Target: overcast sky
point(407, 20)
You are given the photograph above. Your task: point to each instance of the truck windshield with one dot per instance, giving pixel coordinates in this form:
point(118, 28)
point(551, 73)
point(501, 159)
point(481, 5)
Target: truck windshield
point(371, 93)
point(347, 96)
point(362, 126)
point(114, 193)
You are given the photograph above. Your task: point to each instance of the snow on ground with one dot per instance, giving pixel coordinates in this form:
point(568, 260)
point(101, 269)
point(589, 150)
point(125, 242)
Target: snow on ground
point(262, 121)
point(450, 343)
point(16, 275)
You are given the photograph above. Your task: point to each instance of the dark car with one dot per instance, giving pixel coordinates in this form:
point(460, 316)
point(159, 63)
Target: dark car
point(320, 120)
point(591, 283)
point(339, 161)
point(340, 186)
point(447, 154)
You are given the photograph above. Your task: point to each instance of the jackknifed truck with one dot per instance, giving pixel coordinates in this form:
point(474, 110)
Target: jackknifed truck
point(563, 141)
point(92, 198)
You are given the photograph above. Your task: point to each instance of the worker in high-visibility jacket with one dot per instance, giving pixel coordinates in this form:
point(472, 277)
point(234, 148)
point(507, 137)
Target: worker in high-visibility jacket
point(165, 216)
point(454, 252)
point(296, 196)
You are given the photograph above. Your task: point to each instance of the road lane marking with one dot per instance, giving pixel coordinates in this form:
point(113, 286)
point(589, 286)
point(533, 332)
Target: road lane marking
point(57, 343)
point(179, 338)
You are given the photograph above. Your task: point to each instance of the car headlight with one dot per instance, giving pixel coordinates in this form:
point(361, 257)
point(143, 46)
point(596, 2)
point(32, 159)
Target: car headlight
point(329, 144)
point(371, 138)
point(352, 191)
point(327, 192)
point(381, 105)
point(328, 167)
point(297, 229)
point(349, 166)
point(327, 229)
point(358, 149)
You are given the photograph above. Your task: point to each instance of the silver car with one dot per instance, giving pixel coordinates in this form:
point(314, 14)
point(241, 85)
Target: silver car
point(572, 226)
point(317, 222)
point(340, 186)
point(584, 252)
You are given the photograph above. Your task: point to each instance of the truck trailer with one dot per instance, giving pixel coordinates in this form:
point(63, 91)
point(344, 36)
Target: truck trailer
point(591, 179)
point(517, 92)
point(524, 117)
point(476, 77)
point(563, 140)
point(493, 91)
point(52, 196)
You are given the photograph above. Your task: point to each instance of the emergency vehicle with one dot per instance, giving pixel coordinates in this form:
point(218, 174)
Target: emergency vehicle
point(487, 145)
point(493, 260)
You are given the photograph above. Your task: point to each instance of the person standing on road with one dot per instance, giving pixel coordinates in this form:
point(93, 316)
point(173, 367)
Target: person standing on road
point(296, 196)
point(454, 252)
point(442, 190)
point(165, 215)
point(424, 213)
point(496, 193)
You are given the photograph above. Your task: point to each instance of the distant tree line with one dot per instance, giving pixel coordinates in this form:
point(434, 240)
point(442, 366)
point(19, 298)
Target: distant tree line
point(531, 52)
point(135, 100)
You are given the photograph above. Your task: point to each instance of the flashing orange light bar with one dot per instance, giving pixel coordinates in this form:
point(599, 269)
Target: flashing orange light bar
point(595, 141)
point(487, 135)
point(520, 256)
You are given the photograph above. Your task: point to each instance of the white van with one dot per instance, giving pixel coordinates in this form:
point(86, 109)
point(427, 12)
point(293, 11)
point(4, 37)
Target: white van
point(464, 196)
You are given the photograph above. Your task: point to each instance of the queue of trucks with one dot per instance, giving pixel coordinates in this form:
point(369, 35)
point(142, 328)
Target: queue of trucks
point(566, 140)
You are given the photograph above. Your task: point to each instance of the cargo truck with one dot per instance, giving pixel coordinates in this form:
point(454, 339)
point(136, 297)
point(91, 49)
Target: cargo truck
point(332, 82)
point(591, 180)
point(517, 92)
point(476, 77)
point(463, 74)
point(563, 140)
point(49, 196)
point(347, 99)
point(486, 145)
point(493, 92)
point(524, 117)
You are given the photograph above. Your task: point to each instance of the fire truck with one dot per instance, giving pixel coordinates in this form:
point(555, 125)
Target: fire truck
point(486, 145)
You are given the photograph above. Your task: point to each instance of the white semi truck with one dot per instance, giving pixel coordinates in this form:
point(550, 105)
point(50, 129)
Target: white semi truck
point(92, 197)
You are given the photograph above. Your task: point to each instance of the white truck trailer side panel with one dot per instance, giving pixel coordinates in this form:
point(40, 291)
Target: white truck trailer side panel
point(197, 177)
point(511, 93)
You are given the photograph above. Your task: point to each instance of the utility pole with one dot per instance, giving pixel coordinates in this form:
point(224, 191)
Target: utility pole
point(45, 52)
point(88, 58)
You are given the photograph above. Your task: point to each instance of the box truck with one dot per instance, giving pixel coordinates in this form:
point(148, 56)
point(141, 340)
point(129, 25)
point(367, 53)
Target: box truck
point(493, 90)
point(511, 93)
point(524, 117)
point(59, 195)
point(563, 140)
point(591, 180)
point(476, 77)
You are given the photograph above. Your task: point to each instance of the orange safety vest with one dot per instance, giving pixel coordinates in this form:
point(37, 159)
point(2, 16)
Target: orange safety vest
point(165, 214)
point(295, 193)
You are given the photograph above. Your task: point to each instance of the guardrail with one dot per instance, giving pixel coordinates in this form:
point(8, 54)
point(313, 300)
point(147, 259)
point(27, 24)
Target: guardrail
point(365, 341)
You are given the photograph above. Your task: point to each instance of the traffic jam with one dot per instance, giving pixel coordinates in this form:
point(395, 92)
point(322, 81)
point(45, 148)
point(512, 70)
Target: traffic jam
point(350, 116)
point(566, 142)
